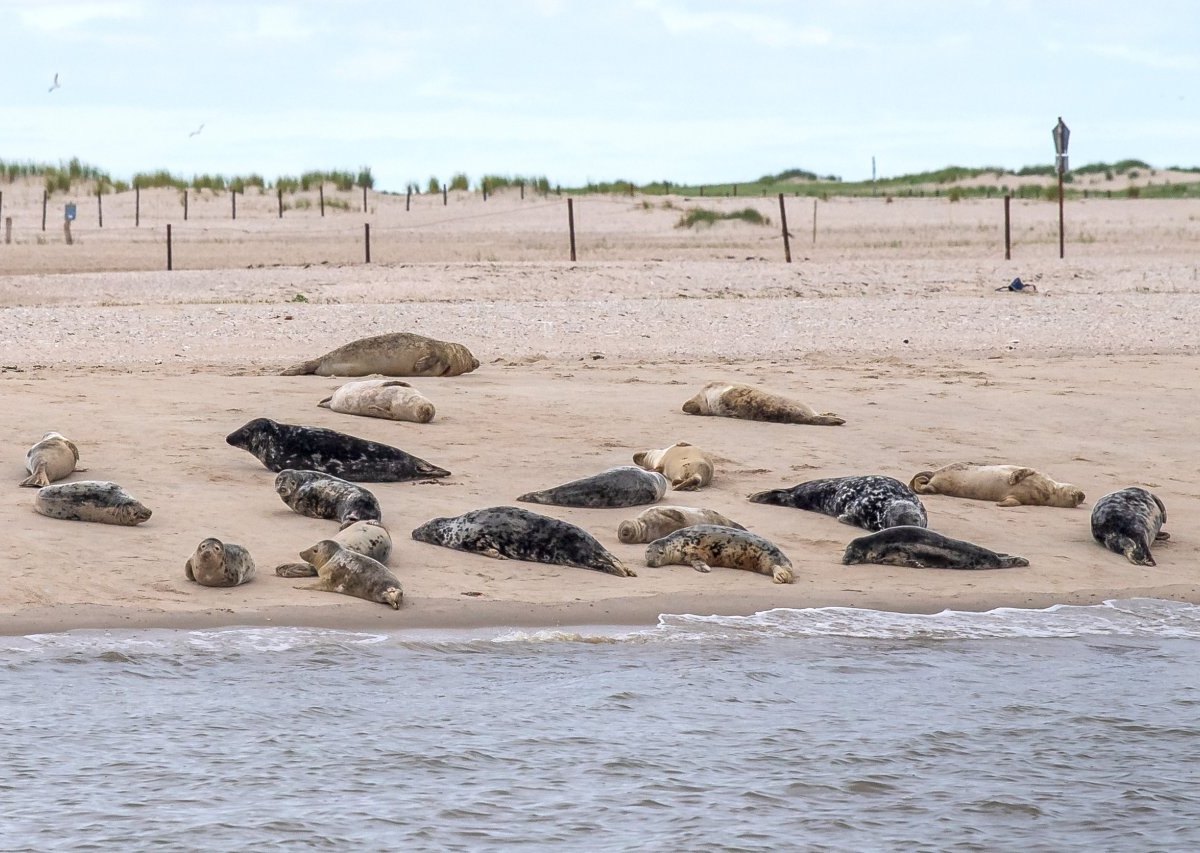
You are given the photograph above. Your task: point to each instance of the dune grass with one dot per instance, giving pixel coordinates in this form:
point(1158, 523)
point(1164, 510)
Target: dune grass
point(705, 216)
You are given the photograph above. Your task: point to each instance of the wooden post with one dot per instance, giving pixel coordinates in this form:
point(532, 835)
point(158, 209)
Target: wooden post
point(1060, 211)
point(814, 222)
point(444, 196)
point(279, 195)
point(1007, 229)
point(408, 198)
point(45, 199)
point(483, 186)
point(367, 241)
point(67, 232)
point(787, 246)
point(169, 264)
point(571, 224)
point(185, 204)
point(702, 192)
point(522, 190)
point(1, 201)
point(99, 207)
point(364, 198)
point(735, 190)
point(137, 206)
point(233, 203)
point(8, 229)
point(321, 191)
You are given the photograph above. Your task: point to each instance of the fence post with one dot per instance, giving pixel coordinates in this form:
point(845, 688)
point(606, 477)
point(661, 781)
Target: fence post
point(367, 241)
point(522, 190)
point(483, 186)
point(735, 190)
point(67, 231)
point(169, 264)
point(185, 204)
point(45, 198)
point(444, 196)
point(233, 203)
point(99, 207)
point(571, 224)
point(408, 198)
point(1, 201)
point(321, 190)
point(279, 194)
point(814, 222)
point(137, 206)
point(1007, 230)
point(364, 198)
point(787, 246)
point(8, 229)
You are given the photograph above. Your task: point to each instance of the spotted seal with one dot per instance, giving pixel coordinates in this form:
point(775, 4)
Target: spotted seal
point(705, 545)
point(921, 548)
point(687, 467)
point(393, 399)
point(351, 573)
point(657, 521)
point(52, 458)
point(366, 537)
point(217, 563)
point(509, 532)
point(1007, 485)
point(320, 495)
point(91, 500)
point(735, 400)
point(280, 446)
point(625, 485)
point(1128, 521)
point(872, 501)
point(393, 354)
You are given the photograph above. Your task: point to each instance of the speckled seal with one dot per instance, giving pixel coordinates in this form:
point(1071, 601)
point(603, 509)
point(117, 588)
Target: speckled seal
point(91, 500)
point(655, 522)
point(393, 354)
point(872, 502)
point(217, 563)
point(1128, 521)
point(320, 495)
point(351, 573)
point(366, 537)
point(625, 485)
point(735, 400)
point(705, 545)
point(921, 548)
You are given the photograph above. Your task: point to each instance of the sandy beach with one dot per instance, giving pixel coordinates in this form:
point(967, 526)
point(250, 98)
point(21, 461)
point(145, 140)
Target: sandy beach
point(891, 319)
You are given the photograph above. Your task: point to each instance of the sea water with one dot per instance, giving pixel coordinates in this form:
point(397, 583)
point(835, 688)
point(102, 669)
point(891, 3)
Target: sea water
point(1072, 728)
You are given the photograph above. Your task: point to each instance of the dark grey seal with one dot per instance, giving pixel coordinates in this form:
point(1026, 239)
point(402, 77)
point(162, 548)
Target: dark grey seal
point(281, 446)
point(351, 573)
point(366, 537)
point(509, 532)
point(872, 502)
point(320, 495)
point(704, 545)
point(90, 500)
point(920, 548)
point(1129, 521)
point(217, 563)
point(625, 485)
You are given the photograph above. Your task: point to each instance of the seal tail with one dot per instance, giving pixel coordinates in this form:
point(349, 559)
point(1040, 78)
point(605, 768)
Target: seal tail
point(534, 498)
point(37, 479)
point(324, 404)
point(428, 470)
point(303, 368)
point(1008, 561)
point(920, 483)
point(688, 484)
point(778, 497)
point(296, 570)
point(827, 419)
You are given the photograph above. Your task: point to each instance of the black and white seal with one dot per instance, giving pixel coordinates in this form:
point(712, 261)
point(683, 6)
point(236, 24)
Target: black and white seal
point(509, 532)
point(655, 522)
point(872, 501)
point(920, 548)
point(52, 458)
point(393, 354)
point(91, 500)
point(1129, 521)
point(625, 485)
point(320, 495)
point(366, 537)
point(351, 573)
point(702, 546)
point(280, 446)
point(217, 563)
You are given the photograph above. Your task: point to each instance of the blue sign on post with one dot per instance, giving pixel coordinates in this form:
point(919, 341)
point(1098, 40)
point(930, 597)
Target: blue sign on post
point(69, 213)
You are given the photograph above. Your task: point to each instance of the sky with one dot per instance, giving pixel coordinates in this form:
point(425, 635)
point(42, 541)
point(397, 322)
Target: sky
point(691, 91)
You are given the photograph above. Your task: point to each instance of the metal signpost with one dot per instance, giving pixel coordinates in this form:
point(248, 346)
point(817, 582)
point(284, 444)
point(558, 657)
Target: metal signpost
point(1062, 135)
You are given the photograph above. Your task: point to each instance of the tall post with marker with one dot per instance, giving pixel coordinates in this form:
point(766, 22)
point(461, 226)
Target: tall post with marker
point(1062, 136)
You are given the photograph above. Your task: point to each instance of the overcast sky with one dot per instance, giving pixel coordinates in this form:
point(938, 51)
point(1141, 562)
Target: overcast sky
point(688, 90)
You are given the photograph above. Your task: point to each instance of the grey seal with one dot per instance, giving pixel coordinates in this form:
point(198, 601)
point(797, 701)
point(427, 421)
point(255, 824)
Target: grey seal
point(366, 537)
point(509, 532)
point(872, 501)
point(393, 399)
point(393, 354)
point(351, 573)
point(91, 500)
point(1128, 521)
point(735, 400)
point(704, 545)
point(657, 521)
point(921, 548)
point(217, 563)
point(52, 458)
point(625, 485)
point(280, 446)
point(1007, 485)
point(320, 495)
point(687, 467)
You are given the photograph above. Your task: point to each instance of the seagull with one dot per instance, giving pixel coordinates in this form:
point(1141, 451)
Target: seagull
point(56, 85)
point(196, 132)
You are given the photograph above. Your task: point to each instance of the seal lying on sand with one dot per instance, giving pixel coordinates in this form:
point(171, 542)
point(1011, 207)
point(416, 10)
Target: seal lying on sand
point(320, 495)
point(52, 458)
point(625, 485)
point(351, 573)
point(394, 354)
point(365, 537)
point(734, 400)
point(393, 399)
point(872, 502)
point(509, 532)
point(217, 563)
point(90, 500)
point(687, 467)
point(1008, 485)
point(920, 548)
point(1129, 521)
point(704, 545)
point(657, 521)
point(281, 446)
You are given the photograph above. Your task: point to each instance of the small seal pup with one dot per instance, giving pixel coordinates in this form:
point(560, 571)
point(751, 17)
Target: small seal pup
point(509, 532)
point(734, 400)
point(320, 495)
point(393, 399)
point(872, 501)
point(366, 537)
point(657, 521)
point(705, 545)
point(625, 485)
point(351, 573)
point(217, 563)
point(688, 468)
point(1007, 485)
point(52, 458)
point(393, 354)
point(921, 548)
point(280, 446)
point(1128, 521)
point(90, 500)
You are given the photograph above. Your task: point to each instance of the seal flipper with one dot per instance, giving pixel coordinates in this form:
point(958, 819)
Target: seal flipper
point(1161, 535)
point(1011, 500)
point(303, 368)
point(324, 404)
point(426, 363)
point(701, 566)
point(38, 478)
point(187, 570)
point(296, 570)
point(687, 484)
point(777, 497)
point(826, 419)
point(1008, 561)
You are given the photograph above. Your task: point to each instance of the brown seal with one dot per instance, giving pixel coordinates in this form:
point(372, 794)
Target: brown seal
point(394, 354)
point(393, 399)
point(657, 521)
point(1007, 485)
point(688, 468)
point(52, 458)
point(351, 573)
point(217, 563)
point(734, 400)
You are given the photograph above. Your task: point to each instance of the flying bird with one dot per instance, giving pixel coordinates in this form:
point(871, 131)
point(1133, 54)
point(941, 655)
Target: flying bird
point(196, 132)
point(56, 85)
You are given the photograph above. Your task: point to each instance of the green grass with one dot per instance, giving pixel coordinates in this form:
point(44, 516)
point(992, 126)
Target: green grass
point(704, 216)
